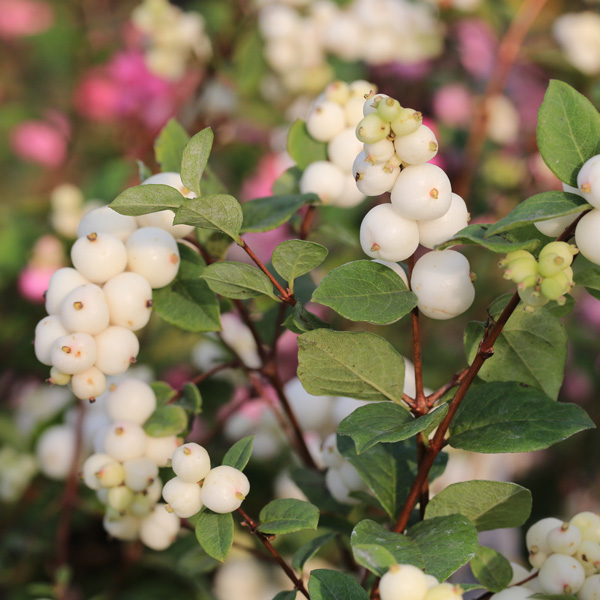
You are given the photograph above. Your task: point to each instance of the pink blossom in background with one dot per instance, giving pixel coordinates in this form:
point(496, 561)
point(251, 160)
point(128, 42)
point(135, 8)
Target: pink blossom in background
point(453, 105)
point(39, 142)
point(588, 310)
point(97, 97)
point(408, 71)
point(24, 17)
point(476, 46)
point(33, 282)
point(527, 86)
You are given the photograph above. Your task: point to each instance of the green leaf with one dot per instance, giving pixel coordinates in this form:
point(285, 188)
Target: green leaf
point(364, 290)
point(143, 171)
point(531, 349)
point(239, 454)
point(264, 214)
point(237, 280)
point(292, 595)
point(147, 198)
point(568, 131)
point(166, 420)
point(191, 400)
point(169, 146)
point(294, 258)
point(216, 243)
point(287, 515)
point(491, 569)
point(302, 147)
point(308, 550)
point(194, 159)
point(386, 422)
point(163, 392)
point(446, 544)
point(325, 584)
point(220, 212)
point(376, 548)
point(214, 533)
point(487, 504)
point(347, 363)
point(301, 320)
point(590, 280)
point(188, 302)
point(507, 417)
point(542, 596)
point(500, 243)
point(388, 469)
point(539, 208)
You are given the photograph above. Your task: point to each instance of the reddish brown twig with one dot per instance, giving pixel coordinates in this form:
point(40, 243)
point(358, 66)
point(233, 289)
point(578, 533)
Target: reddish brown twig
point(456, 380)
point(508, 51)
point(232, 364)
point(264, 539)
point(307, 220)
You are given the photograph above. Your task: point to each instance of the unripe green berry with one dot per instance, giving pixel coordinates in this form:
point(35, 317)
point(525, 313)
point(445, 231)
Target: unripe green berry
point(372, 128)
point(532, 298)
point(555, 287)
point(389, 109)
point(407, 121)
point(567, 251)
point(521, 268)
point(505, 262)
point(119, 497)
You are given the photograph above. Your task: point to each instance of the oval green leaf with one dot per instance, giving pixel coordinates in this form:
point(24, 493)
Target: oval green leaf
point(220, 212)
point(475, 235)
point(325, 584)
point(237, 280)
point(239, 454)
point(147, 198)
point(265, 214)
point(491, 569)
point(169, 146)
point(294, 258)
point(214, 533)
point(288, 515)
point(194, 159)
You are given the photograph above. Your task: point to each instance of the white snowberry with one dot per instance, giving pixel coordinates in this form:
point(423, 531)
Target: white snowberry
point(330, 452)
point(436, 231)
point(94, 464)
point(324, 179)
point(441, 280)
point(588, 181)
point(351, 195)
point(224, 489)
point(311, 411)
point(153, 253)
point(131, 400)
point(105, 220)
point(124, 440)
point(46, 332)
point(403, 582)
point(125, 527)
point(73, 353)
point(61, 283)
point(116, 349)
point(422, 192)
point(564, 539)
point(89, 384)
point(182, 497)
point(387, 235)
point(418, 147)
point(588, 554)
point(343, 148)
point(589, 524)
point(139, 473)
point(55, 451)
point(159, 529)
point(374, 179)
point(590, 590)
point(129, 299)
point(191, 462)
point(85, 310)
point(337, 488)
point(160, 449)
point(586, 236)
point(514, 592)
point(325, 121)
point(99, 256)
point(561, 574)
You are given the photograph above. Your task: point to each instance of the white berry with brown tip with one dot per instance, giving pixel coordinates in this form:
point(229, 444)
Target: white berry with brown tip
point(106, 220)
point(131, 400)
point(561, 574)
point(85, 310)
point(89, 384)
point(99, 256)
point(73, 353)
point(47, 331)
point(159, 529)
point(129, 299)
point(182, 497)
point(403, 582)
point(191, 462)
point(124, 440)
point(224, 489)
point(116, 349)
point(61, 283)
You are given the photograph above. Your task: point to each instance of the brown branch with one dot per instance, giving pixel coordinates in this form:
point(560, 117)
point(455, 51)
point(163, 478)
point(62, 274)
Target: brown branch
point(253, 527)
point(307, 221)
point(286, 295)
point(508, 51)
point(232, 364)
point(456, 380)
point(278, 330)
point(484, 352)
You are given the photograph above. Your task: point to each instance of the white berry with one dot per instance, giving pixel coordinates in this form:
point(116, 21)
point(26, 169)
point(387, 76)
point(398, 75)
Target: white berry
point(73, 353)
point(116, 349)
point(436, 231)
point(47, 331)
point(191, 462)
point(85, 310)
point(99, 256)
point(561, 574)
point(61, 283)
point(89, 384)
point(324, 179)
point(224, 489)
point(131, 400)
point(105, 220)
point(124, 440)
point(403, 582)
point(182, 497)
point(418, 147)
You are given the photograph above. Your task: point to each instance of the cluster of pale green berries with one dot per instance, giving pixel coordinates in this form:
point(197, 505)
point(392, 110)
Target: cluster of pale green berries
point(220, 489)
point(567, 555)
point(406, 582)
point(124, 468)
point(95, 307)
point(423, 209)
point(550, 277)
point(333, 119)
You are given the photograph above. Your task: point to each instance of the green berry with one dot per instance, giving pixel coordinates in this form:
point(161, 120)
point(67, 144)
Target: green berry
point(372, 128)
point(389, 109)
point(408, 121)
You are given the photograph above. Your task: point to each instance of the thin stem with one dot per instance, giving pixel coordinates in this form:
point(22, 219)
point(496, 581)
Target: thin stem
point(286, 295)
point(307, 221)
point(424, 496)
point(484, 352)
point(508, 51)
point(456, 380)
point(232, 364)
point(253, 527)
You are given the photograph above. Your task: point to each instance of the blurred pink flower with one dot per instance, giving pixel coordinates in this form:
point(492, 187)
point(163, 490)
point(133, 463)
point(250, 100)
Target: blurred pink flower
point(476, 46)
point(39, 142)
point(33, 282)
point(24, 17)
point(588, 310)
point(453, 105)
point(97, 98)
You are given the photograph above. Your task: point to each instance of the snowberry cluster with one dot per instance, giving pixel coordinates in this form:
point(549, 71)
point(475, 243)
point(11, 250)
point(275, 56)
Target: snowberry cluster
point(567, 555)
point(423, 208)
point(406, 582)
point(539, 281)
point(221, 489)
point(333, 119)
point(124, 468)
point(171, 36)
point(297, 42)
point(95, 307)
